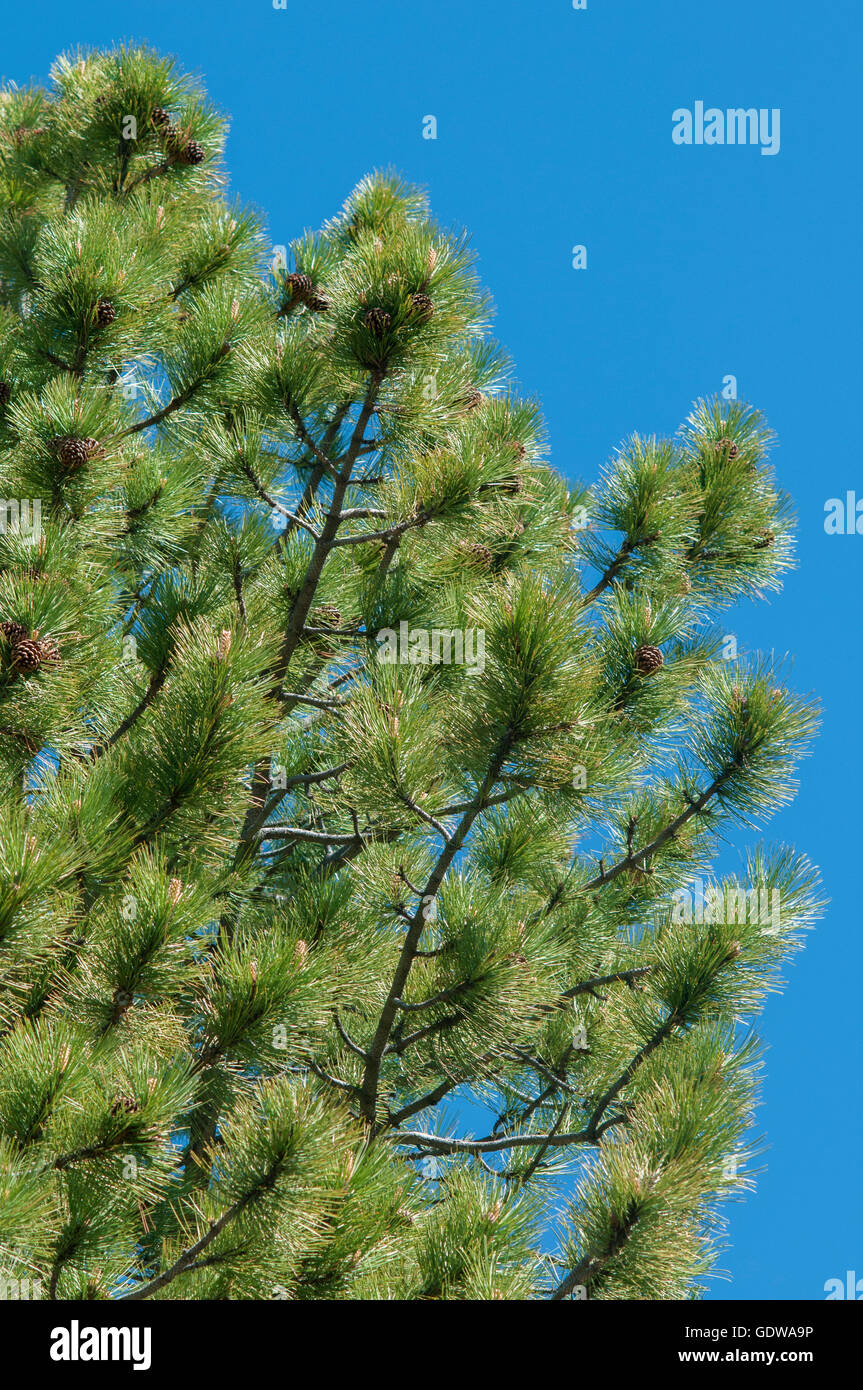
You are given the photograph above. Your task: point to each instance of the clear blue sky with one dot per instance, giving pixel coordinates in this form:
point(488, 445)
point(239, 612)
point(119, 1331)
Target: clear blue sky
point(554, 128)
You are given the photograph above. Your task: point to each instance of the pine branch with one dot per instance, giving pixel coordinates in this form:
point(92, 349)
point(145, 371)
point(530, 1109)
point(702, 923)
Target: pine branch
point(423, 1103)
point(294, 517)
point(414, 932)
point(305, 597)
point(390, 534)
point(592, 1265)
point(348, 1041)
point(186, 1260)
point(157, 680)
point(525, 1177)
point(431, 1143)
point(395, 1049)
point(654, 1041)
point(440, 998)
point(620, 976)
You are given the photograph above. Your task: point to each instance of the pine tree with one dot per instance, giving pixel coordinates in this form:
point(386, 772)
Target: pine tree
point(353, 766)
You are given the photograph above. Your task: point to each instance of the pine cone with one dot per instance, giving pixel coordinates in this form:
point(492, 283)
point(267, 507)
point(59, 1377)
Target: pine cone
point(14, 632)
point(192, 153)
point(105, 313)
point(299, 284)
point(73, 452)
point(421, 307)
point(49, 649)
point(478, 552)
point(181, 148)
point(763, 540)
point(159, 117)
point(378, 320)
point(726, 445)
point(473, 400)
point(518, 448)
point(125, 1105)
point(304, 292)
point(121, 1001)
point(5, 392)
point(27, 654)
point(648, 659)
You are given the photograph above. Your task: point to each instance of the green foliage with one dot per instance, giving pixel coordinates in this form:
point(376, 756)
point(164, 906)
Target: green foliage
point(353, 766)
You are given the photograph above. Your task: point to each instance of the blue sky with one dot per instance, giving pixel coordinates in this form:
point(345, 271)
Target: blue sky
point(554, 129)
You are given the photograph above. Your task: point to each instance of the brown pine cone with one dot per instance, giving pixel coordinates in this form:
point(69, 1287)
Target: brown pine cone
point(317, 302)
point(299, 284)
point(5, 392)
point(763, 540)
point(378, 320)
point(192, 153)
point(27, 654)
point(727, 446)
point(473, 400)
point(105, 313)
point(159, 117)
point(125, 1105)
point(49, 649)
point(181, 148)
point(421, 307)
point(14, 632)
point(121, 1001)
point(478, 552)
point(73, 452)
point(648, 659)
